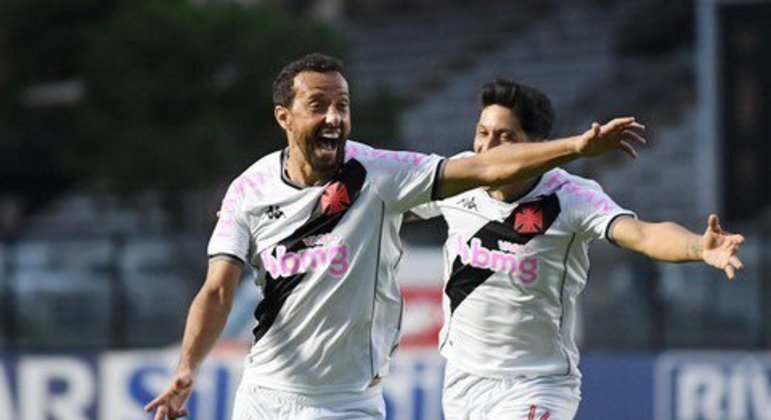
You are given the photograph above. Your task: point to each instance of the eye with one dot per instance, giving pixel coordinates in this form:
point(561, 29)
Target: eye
point(509, 136)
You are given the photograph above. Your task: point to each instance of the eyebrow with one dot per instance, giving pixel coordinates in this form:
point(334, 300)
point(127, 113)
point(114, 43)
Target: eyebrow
point(319, 94)
point(498, 130)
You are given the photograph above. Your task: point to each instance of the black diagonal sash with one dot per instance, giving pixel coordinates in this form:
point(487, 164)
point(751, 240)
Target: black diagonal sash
point(464, 279)
point(322, 220)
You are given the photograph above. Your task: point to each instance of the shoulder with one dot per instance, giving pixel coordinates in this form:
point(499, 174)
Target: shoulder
point(563, 182)
point(258, 177)
point(580, 195)
point(470, 198)
point(461, 155)
point(371, 157)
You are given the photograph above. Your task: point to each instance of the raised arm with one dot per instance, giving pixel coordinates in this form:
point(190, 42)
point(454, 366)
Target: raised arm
point(671, 242)
point(515, 162)
point(205, 321)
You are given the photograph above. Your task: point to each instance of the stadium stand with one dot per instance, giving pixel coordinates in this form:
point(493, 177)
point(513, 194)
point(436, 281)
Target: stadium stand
point(572, 53)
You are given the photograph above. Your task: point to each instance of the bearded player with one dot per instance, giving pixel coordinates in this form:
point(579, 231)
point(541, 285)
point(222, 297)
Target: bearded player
point(319, 222)
point(516, 258)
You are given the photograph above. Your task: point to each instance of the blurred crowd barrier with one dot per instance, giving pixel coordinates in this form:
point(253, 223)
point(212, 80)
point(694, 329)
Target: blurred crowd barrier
point(132, 291)
point(115, 385)
point(97, 293)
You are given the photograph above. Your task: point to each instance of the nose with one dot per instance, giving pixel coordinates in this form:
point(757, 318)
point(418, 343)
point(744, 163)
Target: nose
point(481, 143)
point(477, 144)
point(333, 117)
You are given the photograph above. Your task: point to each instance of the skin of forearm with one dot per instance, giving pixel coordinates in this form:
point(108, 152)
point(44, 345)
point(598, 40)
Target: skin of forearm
point(506, 164)
point(666, 241)
point(205, 321)
point(517, 162)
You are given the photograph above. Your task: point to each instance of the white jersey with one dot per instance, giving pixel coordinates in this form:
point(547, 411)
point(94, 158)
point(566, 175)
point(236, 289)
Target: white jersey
point(326, 259)
point(513, 272)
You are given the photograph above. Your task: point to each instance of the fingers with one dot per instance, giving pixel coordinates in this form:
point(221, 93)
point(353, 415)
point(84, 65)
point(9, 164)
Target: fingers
point(733, 238)
point(623, 128)
point(175, 395)
point(626, 123)
point(626, 147)
point(620, 122)
point(165, 412)
point(152, 405)
point(735, 262)
point(712, 224)
point(729, 272)
point(161, 413)
point(631, 135)
point(596, 129)
point(618, 133)
point(174, 414)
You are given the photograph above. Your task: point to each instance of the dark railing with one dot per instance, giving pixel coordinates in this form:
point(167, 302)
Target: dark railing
point(93, 293)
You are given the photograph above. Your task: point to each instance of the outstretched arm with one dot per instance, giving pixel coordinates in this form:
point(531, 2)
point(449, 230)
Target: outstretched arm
point(515, 162)
point(205, 321)
point(671, 242)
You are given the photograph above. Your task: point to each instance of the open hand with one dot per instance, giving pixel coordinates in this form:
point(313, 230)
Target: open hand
point(719, 248)
point(618, 134)
point(170, 404)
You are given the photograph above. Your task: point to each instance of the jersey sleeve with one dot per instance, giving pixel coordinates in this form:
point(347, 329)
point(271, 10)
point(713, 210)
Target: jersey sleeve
point(231, 234)
point(403, 179)
point(428, 210)
point(434, 208)
point(591, 211)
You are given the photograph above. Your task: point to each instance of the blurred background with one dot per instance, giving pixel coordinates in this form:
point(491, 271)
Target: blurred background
point(123, 121)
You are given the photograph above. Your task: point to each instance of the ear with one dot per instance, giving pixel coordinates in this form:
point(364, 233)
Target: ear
point(283, 117)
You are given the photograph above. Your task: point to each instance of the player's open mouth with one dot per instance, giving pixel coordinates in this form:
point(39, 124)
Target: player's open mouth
point(329, 140)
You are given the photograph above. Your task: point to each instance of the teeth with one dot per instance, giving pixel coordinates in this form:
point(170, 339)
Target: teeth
point(332, 136)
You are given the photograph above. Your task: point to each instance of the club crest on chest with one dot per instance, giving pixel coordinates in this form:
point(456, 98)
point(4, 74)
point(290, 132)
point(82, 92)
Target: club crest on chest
point(335, 198)
point(534, 217)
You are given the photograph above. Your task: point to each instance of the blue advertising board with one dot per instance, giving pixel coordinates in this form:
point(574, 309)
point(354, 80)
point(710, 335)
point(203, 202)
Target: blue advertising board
point(116, 385)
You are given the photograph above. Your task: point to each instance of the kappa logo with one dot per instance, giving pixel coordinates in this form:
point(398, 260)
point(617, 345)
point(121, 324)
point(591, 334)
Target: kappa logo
point(274, 212)
point(468, 203)
point(528, 219)
point(335, 199)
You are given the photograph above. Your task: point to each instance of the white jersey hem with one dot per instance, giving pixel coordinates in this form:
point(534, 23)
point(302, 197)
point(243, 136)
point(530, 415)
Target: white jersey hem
point(318, 393)
point(510, 372)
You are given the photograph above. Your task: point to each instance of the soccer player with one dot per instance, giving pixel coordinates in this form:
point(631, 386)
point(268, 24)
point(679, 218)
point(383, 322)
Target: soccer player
point(516, 258)
point(319, 222)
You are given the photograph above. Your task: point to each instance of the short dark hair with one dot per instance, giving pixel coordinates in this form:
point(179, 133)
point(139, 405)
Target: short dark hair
point(283, 94)
point(532, 107)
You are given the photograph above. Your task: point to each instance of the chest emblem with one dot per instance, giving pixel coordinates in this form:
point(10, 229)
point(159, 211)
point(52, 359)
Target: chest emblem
point(528, 219)
point(335, 198)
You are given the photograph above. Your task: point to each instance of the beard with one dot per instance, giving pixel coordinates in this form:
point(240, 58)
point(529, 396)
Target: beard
point(325, 153)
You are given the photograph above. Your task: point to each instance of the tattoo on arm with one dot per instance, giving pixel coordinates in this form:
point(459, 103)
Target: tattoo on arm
point(693, 249)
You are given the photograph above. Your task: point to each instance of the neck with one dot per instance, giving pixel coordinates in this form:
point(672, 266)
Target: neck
point(300, 170)
point(515, 190)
